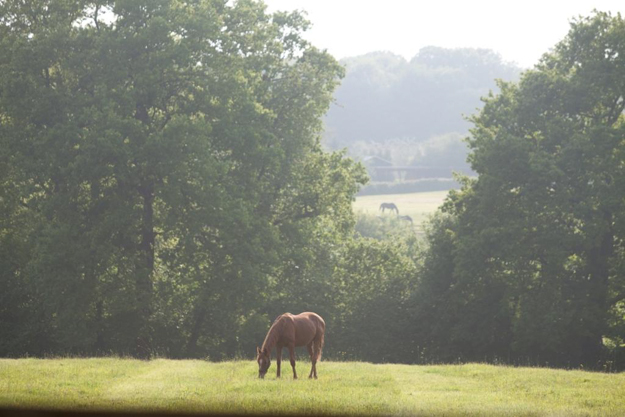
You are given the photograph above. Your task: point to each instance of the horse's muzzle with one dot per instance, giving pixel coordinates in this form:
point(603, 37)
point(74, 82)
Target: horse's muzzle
point(261, 375)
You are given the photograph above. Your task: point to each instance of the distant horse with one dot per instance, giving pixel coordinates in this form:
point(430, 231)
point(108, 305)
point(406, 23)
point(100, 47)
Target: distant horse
point(390, 206)
point(291, 331)
point(407, 218)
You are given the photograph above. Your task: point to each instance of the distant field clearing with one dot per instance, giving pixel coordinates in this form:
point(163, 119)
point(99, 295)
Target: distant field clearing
point(416, 205)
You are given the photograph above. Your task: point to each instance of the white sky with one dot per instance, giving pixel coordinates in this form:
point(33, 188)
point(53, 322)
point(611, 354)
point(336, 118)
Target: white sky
point(520, 31)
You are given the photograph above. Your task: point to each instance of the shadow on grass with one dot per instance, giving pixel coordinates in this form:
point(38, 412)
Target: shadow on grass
point(16, 412)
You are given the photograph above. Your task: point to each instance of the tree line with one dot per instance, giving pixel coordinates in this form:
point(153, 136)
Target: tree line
point(527, 261)
point(164, 191)
point(412, 113)
point(162, 174)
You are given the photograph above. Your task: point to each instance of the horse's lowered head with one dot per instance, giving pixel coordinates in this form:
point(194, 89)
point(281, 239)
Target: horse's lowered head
point(264, 361)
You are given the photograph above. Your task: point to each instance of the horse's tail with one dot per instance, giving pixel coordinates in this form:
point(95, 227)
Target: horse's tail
point(320, 347)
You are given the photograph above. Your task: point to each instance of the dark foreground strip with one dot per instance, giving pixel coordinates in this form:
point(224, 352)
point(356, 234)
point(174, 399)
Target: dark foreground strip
point(14, 412)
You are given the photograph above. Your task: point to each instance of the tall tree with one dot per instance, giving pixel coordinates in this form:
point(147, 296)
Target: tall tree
point(153, 153)
point(538, 237)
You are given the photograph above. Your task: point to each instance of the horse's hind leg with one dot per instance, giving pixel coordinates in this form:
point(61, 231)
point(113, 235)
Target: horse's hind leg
point(313, 360)
point(317, 349)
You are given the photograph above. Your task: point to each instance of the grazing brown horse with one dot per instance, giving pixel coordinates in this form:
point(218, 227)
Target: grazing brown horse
point(291, 331)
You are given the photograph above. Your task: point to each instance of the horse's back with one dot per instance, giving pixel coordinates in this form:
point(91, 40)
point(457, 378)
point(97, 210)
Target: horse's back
point(308, 327)
point(312, 316)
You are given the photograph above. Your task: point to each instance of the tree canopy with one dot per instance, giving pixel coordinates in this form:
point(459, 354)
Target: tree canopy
point(160, 165)
point(163, 190)
point(529, 266)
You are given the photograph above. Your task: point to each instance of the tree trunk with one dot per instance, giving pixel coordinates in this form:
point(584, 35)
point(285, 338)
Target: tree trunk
point(597, 308)
point(198, 320)
point(144, 274)
point(99, 322)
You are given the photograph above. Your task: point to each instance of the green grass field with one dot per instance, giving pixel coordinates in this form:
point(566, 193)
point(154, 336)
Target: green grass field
point(416, 205)
point(342, 388)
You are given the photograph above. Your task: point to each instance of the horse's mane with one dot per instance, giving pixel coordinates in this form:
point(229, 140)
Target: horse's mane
point(273, 334)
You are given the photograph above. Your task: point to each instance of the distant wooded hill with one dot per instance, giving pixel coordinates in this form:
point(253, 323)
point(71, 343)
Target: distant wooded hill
point(412, 113)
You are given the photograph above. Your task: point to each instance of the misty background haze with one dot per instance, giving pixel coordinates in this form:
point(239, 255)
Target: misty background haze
point(520, 32)
point(415, 72)
point(406, 120)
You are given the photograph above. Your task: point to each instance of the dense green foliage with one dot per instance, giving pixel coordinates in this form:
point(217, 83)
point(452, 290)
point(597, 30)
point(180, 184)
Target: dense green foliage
point(163, 190)
point(528, 266)
point(343, 388)
point(162, 177)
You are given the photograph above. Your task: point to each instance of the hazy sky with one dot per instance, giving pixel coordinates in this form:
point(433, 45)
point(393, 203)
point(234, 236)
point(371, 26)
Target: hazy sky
point(521, 31)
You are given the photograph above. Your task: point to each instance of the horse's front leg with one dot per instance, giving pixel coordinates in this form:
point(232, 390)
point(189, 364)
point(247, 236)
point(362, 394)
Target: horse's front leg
point(278, 358)
point(292, 354)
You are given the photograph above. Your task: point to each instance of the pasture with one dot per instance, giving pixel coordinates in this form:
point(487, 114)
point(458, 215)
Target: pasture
point(416, 205)
point(351, 388)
